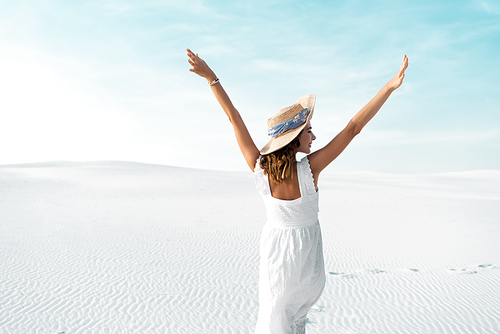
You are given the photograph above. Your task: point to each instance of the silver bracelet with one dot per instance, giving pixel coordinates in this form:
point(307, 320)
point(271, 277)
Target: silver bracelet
point(216, 81)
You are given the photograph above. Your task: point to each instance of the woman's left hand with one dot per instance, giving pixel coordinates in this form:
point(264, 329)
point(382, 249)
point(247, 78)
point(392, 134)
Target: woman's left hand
point(397, 80)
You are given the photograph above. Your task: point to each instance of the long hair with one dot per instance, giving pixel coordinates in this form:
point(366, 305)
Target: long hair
point(279, 164)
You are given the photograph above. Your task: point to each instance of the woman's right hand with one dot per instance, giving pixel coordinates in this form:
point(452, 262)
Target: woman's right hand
point(200, 67)
point(397, 80)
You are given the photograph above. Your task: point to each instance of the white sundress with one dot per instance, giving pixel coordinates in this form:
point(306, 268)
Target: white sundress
point(292, 274)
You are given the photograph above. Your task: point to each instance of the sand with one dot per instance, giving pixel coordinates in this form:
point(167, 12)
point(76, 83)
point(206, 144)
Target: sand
point(115, 247)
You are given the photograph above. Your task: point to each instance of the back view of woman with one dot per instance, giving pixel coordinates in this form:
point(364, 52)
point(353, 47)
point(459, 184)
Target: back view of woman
point(291, 274)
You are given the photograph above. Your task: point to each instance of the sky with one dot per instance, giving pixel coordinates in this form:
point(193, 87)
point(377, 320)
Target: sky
point(109, 80)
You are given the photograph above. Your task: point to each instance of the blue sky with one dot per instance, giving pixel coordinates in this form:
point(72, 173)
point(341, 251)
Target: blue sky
point(109, 80)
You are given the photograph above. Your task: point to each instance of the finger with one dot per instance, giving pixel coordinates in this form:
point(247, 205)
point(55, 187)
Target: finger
point(404, 65)
point(194, 57)
point(191, 55)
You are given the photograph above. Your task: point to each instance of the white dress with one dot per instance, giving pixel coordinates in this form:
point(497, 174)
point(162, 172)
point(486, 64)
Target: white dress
point(291, 275)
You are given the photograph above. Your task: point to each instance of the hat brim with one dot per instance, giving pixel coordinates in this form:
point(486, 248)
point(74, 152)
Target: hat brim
point(307, 101)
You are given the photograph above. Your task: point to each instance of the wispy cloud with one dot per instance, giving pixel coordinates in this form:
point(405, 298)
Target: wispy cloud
point(489, 7)
point(133, 8)
point(405, 138)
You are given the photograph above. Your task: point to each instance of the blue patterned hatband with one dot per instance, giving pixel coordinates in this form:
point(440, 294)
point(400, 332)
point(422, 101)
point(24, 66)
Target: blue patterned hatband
point(293, 123)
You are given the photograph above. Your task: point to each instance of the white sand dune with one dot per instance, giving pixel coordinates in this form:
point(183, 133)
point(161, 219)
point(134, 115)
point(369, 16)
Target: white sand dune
point(113, 247)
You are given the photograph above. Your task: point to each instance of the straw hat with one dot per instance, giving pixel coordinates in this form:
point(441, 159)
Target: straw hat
point(282, 120)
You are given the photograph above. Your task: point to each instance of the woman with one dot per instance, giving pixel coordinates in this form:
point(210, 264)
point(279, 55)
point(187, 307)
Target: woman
point(292, 276)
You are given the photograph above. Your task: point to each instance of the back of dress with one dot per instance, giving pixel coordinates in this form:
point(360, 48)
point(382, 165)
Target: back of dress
point(291, 274)
point(300, 212)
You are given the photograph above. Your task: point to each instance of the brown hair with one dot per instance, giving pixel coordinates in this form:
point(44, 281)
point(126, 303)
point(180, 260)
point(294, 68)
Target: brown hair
point(279, 164)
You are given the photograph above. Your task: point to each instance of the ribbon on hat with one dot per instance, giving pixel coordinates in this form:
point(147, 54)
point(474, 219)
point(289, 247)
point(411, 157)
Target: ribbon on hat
point(293, 123)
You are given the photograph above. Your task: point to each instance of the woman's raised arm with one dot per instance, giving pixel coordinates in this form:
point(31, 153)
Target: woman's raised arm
point(245, 141)
point(323, 157)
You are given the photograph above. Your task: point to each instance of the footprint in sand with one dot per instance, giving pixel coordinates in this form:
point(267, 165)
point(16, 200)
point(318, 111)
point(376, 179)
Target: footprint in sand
point(348, 276)
point(317, 308)
point(463, 271)
point(487, 266)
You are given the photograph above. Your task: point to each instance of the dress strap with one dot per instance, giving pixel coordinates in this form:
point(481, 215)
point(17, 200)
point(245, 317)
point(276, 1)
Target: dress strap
point(306, 180)
point(261, 180)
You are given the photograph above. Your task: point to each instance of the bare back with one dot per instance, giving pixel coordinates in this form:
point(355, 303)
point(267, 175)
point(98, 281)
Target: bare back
point(289, 189)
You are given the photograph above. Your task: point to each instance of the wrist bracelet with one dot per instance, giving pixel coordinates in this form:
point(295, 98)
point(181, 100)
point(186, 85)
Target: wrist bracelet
point(216, 81)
